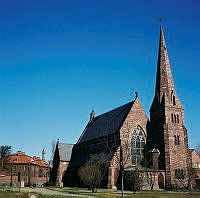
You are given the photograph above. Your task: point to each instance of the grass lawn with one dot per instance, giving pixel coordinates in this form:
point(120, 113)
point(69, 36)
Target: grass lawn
point(103, 193)
point(6, 193)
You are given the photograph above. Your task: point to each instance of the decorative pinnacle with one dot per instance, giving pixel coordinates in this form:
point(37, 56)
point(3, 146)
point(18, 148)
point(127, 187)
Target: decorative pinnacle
point(92, 115)
point(136, 94)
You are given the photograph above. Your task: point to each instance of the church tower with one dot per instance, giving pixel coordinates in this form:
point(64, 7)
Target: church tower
point(167, 131)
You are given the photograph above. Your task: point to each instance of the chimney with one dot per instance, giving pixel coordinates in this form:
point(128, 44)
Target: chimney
point(154, 155)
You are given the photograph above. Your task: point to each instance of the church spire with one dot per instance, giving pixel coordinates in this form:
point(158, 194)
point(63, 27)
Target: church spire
point(164, 81)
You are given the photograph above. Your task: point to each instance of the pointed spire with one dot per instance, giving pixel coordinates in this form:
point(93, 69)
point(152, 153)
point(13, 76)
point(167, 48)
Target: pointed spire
point(164, 81)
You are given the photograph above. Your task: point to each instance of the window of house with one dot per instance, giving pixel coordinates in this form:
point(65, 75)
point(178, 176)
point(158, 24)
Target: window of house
point(137, 145)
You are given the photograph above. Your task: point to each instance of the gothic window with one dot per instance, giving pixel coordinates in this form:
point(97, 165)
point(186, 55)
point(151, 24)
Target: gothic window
point(137, 145)
point(172, 118)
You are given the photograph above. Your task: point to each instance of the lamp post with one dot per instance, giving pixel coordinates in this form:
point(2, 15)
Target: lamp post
point(11, 174)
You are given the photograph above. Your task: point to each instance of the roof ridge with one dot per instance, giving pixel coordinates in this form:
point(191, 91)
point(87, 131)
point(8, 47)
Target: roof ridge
point(66, 143)
point(104, 123)
point(114, 109)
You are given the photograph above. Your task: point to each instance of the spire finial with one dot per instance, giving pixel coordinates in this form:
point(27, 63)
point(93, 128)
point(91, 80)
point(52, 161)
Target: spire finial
point(136, 94)
point(160, 19)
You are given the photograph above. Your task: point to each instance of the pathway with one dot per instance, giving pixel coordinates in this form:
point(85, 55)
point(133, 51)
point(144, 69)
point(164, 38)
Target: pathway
point(52, 192)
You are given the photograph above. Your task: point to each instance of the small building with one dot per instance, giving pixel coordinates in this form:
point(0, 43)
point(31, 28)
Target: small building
point(195, 165)
point(61, 159)
point(21, 169)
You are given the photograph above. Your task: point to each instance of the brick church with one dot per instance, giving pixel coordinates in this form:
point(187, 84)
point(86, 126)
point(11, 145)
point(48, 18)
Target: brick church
point(157, 146)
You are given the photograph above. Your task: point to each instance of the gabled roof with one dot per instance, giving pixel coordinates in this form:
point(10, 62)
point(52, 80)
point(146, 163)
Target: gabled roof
point(40, 162)
point(65, 151)
point(105, 124)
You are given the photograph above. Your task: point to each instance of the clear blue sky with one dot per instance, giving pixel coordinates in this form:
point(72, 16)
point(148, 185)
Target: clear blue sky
point(59, 59)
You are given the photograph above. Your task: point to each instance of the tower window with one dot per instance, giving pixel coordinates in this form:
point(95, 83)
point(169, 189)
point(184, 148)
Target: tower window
point(174, 100)
point(178, 140)
point(177, 118)
point(172, 118)
point(175, 140)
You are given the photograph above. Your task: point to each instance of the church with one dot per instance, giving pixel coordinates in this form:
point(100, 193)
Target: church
point(155, 146)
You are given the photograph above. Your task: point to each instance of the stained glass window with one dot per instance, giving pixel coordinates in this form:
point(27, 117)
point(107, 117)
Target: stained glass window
point(138, 142)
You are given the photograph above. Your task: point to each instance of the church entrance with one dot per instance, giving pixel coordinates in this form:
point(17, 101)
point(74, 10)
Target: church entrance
point(161, 181)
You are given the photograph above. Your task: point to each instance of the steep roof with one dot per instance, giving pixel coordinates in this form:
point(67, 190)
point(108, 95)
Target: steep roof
point(164, 80)
point(105, 124)
point(65, 151)
point(165, 91)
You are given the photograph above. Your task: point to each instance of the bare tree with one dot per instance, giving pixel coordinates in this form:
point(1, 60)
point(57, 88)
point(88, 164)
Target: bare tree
point(134, 179)
point(120, 151)
point(189, 174)
point(53, 148)
point(121, 157)
point(197, 148)
point(4, 152)
point(150, 177)
point(91, 173)
point(191, 178)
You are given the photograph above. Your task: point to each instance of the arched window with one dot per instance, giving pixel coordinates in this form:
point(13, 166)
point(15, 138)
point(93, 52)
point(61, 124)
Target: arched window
point(137, 145)
point(172, 118)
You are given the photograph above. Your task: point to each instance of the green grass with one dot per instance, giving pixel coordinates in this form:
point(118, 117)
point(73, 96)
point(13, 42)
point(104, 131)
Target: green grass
point(101, 193)
point(12, 194)
point(104, 193)
point(9, 193)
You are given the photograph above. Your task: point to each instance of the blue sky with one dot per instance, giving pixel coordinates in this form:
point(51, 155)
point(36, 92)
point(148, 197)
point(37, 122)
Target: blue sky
point(59, 59)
